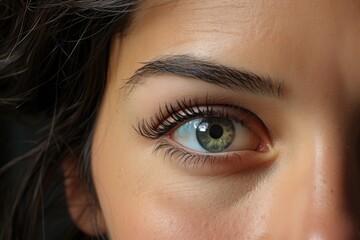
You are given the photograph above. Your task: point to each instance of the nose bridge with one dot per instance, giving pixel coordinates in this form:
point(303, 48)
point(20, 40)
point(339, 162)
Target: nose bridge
point(329, 214)
point(328, 166)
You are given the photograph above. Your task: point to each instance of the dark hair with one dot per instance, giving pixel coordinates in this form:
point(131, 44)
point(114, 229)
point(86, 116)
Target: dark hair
point(53, 60)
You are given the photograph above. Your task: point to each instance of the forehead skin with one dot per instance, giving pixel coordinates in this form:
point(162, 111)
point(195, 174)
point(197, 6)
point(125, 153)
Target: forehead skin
point(314, 39)
point(313, 46)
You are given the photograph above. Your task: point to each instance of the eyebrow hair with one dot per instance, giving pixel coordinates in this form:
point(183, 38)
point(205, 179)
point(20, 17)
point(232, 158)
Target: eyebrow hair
point(209, 72)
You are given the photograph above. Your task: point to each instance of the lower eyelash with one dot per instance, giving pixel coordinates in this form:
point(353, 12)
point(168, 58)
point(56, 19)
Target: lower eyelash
point(189, 159)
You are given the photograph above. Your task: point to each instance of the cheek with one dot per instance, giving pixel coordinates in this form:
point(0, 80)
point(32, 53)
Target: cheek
point(140, 205)
point(165, 216)
point(143, 197)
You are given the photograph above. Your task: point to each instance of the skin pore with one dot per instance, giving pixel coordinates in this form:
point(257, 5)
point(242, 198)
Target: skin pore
point(304, 185)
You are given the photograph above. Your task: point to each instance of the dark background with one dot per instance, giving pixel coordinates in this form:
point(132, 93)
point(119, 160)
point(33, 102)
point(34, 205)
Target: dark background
point(18, 134)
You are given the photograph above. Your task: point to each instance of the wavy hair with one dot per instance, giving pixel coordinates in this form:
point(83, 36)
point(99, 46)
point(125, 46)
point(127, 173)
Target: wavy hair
point(53, 59)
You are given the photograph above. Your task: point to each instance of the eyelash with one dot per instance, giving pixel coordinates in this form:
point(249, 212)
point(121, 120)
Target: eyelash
point(171, 116)
point(191, 159)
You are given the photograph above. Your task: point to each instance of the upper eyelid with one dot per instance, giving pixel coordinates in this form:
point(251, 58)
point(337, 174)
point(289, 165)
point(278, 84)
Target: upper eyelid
point(159, 124)
point(148, 127)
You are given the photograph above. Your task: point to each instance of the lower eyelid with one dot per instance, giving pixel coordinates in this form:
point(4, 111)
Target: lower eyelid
point(213, 164)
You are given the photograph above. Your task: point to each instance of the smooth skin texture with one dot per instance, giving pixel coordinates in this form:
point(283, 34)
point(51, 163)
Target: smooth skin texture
point(309, 186)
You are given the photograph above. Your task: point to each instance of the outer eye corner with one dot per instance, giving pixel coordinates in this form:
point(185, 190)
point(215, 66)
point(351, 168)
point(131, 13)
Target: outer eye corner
point(263, 147)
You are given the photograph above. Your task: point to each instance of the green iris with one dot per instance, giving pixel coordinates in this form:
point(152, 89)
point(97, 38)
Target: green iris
point(215, 134)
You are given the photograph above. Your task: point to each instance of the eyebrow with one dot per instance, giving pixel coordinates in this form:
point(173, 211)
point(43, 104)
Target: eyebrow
point(209, 72)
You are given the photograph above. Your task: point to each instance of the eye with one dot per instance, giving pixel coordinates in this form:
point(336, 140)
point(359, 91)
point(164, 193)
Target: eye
point(215, 135)
point(209, 138)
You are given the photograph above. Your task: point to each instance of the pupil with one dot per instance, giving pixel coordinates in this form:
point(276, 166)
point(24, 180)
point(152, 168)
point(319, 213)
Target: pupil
point(215, 134)
point(216, 131)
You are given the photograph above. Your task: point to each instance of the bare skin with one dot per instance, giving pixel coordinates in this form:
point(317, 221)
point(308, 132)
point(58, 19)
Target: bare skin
point(304, 185)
